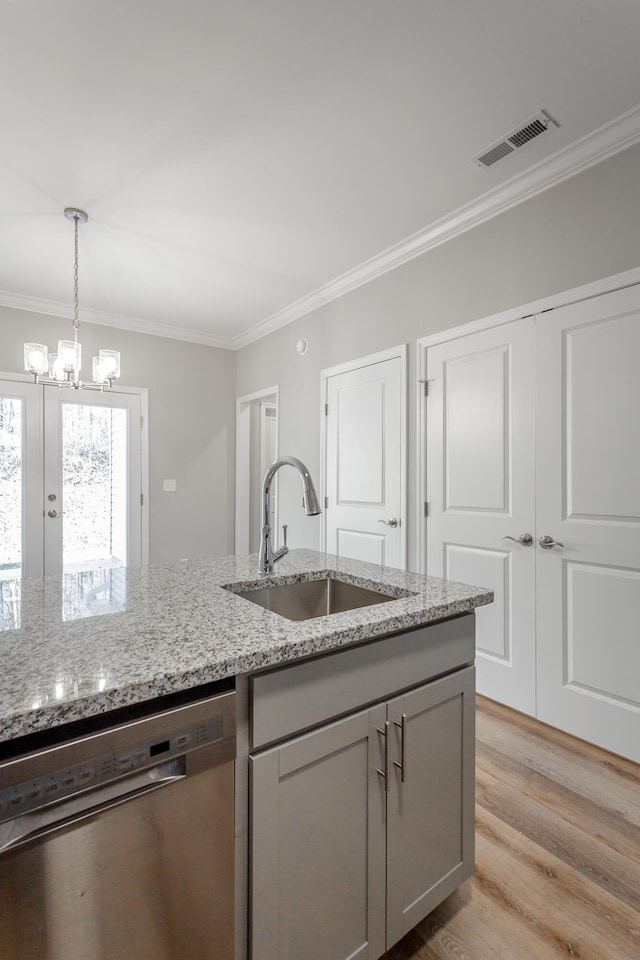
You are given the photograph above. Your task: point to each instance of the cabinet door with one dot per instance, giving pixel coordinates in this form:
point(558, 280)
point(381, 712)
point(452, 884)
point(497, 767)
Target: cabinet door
point(318, 844)
point(430, 815)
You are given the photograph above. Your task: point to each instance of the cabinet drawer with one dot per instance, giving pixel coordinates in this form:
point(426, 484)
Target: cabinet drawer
point(295, 698)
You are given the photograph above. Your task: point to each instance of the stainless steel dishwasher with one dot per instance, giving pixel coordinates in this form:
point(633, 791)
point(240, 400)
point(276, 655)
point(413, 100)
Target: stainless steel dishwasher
point(119, 844)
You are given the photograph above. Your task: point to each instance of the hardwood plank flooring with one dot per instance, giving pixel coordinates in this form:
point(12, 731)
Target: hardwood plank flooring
point(557, 853)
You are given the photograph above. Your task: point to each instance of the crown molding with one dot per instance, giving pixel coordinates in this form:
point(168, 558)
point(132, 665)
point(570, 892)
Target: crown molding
point(605, 142)
point(53, 308)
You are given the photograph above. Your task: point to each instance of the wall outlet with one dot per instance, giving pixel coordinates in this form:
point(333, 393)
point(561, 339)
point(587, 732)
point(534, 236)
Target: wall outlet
point(169, 486)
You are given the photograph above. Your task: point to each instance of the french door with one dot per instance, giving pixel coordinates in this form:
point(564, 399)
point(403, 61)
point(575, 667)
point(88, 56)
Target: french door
point(70, 480)
point(533, 478)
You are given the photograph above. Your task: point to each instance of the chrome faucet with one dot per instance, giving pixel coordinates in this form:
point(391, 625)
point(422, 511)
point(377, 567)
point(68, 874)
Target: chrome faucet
point(309, 501)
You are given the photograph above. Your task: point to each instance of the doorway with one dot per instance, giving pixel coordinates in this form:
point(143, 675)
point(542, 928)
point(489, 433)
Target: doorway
point(256, 449)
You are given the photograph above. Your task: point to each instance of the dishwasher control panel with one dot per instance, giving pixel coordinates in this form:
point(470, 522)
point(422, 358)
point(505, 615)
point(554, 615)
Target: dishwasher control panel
point(101, 769)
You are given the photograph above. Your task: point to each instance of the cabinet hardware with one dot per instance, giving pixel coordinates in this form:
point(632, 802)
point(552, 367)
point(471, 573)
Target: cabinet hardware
point(402, 763)
point(387, 756)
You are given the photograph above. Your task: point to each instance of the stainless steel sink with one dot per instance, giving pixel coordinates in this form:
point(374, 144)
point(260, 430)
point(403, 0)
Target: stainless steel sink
point(306, 599)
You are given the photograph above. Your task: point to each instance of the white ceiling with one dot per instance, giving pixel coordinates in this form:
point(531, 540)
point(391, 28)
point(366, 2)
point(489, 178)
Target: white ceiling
point(237, 156)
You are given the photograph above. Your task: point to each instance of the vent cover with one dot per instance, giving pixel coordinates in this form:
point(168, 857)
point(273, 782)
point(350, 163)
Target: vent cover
point(515, 140)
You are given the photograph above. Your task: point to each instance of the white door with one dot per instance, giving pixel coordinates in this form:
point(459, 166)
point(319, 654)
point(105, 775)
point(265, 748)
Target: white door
point(480, 476)
point(366, 461)
point(256, 441)
point(70, 480)
point(588, 496)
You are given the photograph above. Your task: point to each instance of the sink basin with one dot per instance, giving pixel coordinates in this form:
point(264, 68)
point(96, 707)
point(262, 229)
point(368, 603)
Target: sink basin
point(306, 599)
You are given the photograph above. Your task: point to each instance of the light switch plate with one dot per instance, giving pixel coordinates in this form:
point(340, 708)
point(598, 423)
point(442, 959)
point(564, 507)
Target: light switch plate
point(169, 486)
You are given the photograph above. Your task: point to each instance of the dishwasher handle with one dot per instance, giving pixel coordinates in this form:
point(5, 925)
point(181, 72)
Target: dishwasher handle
point(35, 823)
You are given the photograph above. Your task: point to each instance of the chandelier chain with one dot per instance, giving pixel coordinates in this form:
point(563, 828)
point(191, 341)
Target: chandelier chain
point(76, 320)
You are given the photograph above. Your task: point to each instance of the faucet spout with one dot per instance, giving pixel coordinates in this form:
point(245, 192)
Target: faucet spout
point(267, 558)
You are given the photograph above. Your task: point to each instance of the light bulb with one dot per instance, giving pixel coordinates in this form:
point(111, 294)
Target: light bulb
point(97, 372)
point(70, 356)
point(110, 364)
point(55, 367)
point(36, 358)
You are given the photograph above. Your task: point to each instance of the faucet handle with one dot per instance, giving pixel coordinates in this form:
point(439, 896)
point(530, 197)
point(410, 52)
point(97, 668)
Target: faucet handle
point(284, 533)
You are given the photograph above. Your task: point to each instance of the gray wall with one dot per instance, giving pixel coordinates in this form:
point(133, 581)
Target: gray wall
point(582, 230)
point(191, 425)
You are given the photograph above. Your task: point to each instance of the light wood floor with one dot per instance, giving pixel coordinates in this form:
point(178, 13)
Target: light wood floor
point(557, 853)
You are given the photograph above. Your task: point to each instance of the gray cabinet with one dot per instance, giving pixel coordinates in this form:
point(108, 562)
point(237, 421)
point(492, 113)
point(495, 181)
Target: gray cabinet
point(344, 860)
point(430, 816)
point(318, 845)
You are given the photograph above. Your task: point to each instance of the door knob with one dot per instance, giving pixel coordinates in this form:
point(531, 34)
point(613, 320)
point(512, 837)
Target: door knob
point(391, 523)
point(525, 539)
point(53, 514)
point(547, 543)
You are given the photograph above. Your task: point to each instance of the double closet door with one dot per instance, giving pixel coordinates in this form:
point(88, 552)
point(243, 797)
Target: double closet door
point(70, 480)
point(533, 479)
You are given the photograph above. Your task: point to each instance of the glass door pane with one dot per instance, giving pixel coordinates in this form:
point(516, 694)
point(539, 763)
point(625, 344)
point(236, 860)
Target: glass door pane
point(20, 491)
point(11, 482)
point(11, 479)
point(92, 484)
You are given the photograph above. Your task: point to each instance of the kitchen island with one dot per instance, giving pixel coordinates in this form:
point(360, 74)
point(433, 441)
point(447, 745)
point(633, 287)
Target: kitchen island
point(164, 628)
point(83, 647)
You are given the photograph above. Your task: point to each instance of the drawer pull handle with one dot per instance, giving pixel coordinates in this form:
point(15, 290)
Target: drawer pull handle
point(402, 763)
point(387, 756)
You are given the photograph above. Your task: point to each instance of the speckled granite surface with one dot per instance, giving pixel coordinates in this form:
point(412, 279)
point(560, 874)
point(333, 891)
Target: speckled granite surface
point(76, 646)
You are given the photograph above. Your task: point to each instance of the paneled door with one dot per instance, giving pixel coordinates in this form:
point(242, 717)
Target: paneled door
point(70, 480)
point(588, 505)
point(480, 489)
point(366, 461)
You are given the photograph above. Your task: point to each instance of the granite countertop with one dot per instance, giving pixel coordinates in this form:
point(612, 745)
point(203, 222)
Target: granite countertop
point(75, 646)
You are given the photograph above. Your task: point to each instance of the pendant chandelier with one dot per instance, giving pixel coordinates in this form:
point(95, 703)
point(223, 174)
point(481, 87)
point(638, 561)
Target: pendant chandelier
point(63, 367)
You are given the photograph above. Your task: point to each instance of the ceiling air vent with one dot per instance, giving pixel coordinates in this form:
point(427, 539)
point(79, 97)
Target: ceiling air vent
point(533, 129)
